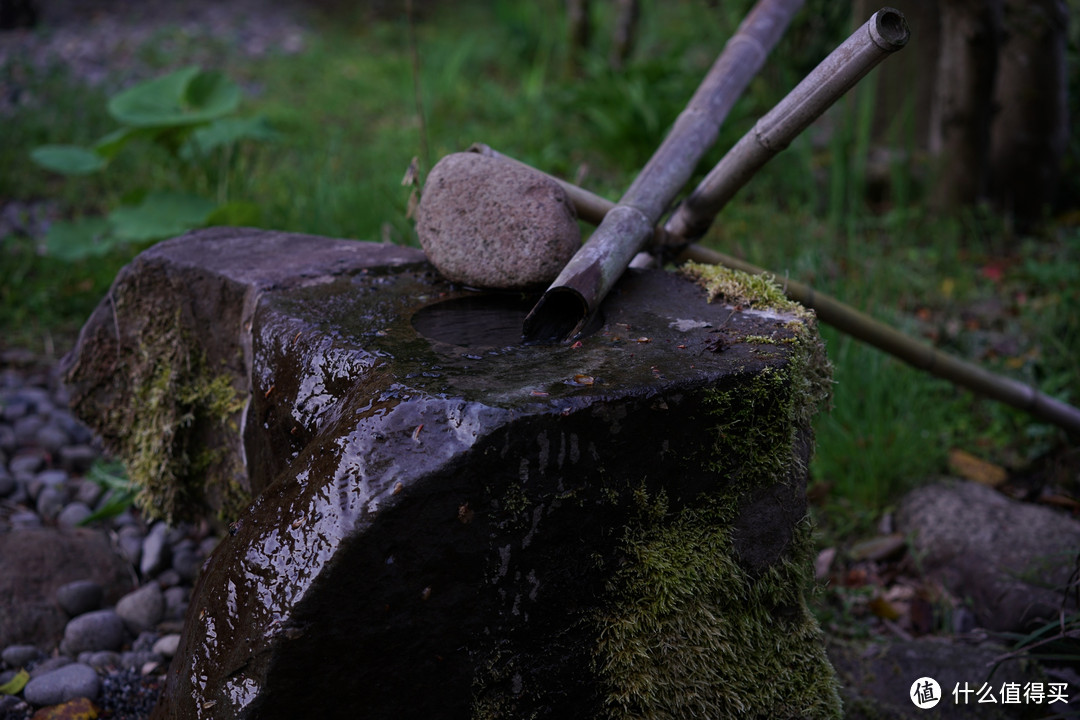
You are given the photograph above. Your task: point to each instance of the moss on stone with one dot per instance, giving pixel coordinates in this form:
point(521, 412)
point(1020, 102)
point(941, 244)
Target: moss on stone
point(742, 289)
point(691, 633)
point(176, 399)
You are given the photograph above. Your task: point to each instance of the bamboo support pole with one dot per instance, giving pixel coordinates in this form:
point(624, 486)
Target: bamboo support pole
point(862, 327)
point(915, 353)
point(883, 34)
point(577, 292)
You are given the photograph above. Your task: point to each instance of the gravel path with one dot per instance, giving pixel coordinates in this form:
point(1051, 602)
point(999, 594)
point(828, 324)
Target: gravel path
point(111, 42)
point(112, 653)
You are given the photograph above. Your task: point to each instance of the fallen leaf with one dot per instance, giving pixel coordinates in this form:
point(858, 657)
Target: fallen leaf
point(969, 467)
point(879, 548)
point(823, 563)
point(883, 608)
point(77, 709)
point(15, 684)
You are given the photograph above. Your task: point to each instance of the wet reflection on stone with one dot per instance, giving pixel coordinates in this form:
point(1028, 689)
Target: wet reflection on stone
point(482, 320)
point(441, 511)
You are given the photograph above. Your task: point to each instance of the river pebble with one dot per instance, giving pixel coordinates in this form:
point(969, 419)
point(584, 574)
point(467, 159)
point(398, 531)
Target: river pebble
point(73, 514)
point(79, 597)
point(67, 683)
point(141, 609)
point(17, 656)
point(155, 551)
point(98, 630)
point(45, 452)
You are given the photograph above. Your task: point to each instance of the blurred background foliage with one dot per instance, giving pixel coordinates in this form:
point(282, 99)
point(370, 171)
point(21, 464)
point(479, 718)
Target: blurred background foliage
point(848, 208)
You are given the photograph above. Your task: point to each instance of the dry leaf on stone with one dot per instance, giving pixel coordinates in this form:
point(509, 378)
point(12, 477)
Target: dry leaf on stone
point(969, 467)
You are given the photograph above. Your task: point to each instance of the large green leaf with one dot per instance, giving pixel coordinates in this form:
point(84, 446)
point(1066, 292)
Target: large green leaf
point(160, 215)
point(108, 146)
point(79, 239)
point(185, 97)
point(223, 132)
point(68, 159)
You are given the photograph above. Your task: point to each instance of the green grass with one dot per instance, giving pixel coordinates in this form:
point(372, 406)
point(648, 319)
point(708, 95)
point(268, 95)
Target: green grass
point(496, 73)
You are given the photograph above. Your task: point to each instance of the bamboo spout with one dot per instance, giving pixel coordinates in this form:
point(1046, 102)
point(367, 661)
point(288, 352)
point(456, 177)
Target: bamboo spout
point(576, 294)
point(883, 34)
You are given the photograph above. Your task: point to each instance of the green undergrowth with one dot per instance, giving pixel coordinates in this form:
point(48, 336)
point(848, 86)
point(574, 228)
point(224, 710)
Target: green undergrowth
point(349, 125)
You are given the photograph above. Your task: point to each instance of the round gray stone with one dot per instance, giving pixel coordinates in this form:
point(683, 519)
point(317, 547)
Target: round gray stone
point(141, 609)
point(80, 596)
point(50, 501)
point(8, 443)
point(101, 659)
point(67, 683)
point(25, 519)
point(487, 222)
point(130, 540)
point(186, 562)
point(18, 655)
point(98, 630)
point(29, 463)
point(47, 478)
point(73, 514)
point(77, 458)
point(155, 551)
point(88, 492)
point(13, 410)
point(176, 603)
point(7, 482)
point(50, 437)
point(167, 644)
point(7, 439)
point(26, 429)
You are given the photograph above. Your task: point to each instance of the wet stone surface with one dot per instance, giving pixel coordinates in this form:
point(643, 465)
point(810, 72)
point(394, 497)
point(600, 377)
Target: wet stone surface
point(444, 525)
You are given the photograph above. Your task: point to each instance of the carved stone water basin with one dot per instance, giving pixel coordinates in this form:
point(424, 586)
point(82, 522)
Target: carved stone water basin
point(429, 519)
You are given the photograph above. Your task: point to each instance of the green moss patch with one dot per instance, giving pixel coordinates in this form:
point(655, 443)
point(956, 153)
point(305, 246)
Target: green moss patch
point(742, 289)
point(171, 434)
point(692, 634)
point(691, 631)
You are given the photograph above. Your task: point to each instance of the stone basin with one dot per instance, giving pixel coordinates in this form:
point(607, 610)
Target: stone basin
point(446, 523)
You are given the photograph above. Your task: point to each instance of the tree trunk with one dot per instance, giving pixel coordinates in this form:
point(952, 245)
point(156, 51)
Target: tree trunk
point(1030, 132)
point(622, 40)
point(961, 113)
point(579, 32)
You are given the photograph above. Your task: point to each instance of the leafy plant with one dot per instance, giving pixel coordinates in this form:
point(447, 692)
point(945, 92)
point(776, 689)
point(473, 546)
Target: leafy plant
point(119, 490)
point(188, 114)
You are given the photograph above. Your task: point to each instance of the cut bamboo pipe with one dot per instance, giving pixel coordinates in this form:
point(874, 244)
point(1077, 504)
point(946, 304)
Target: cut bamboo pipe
point(883, 34)
point(846, 319)
point(579, 289)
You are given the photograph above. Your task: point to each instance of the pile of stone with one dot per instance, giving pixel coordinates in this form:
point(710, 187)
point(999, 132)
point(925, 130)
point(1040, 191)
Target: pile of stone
point(91, 610)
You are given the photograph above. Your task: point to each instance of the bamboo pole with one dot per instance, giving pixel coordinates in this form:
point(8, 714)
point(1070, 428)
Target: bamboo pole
point(576, 293)
point(846, 319)
point(883, 34)
point(915, 353)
